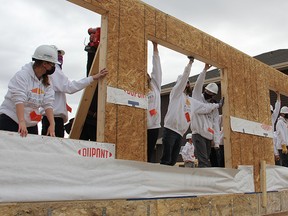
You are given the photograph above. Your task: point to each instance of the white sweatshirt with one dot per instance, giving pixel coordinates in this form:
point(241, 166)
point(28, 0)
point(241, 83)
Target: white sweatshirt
point(205, 124)
point(62, 85)
point(26, 88)
point(154, 99)
point(188, 152)
point(274, 118)
point(281, 132)
point(179, 109)
point(275, 112)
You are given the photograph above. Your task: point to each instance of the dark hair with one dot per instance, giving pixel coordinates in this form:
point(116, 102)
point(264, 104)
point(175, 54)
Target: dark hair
point(45, 78)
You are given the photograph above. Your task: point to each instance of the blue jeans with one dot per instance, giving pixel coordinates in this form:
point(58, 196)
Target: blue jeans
point(171, 147)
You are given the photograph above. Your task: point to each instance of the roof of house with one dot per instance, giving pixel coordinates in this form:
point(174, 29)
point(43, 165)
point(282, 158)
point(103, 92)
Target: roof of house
point(271, 58)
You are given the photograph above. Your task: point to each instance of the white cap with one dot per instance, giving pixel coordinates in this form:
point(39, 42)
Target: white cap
point(189, 136)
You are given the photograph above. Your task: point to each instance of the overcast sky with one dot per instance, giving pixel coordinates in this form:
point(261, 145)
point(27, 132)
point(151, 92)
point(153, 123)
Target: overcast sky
point(253, 27)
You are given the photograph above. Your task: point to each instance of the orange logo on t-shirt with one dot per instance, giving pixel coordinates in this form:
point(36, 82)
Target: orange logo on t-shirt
point(37, 91)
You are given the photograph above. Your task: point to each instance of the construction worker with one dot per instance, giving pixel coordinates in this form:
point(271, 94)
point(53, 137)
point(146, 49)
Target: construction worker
point(28, 90)
point(282, 135)
point(275, 113)
point(187, 152)
point(154, 104)
point(62, 85)
point(205, 126)
point(178, 116)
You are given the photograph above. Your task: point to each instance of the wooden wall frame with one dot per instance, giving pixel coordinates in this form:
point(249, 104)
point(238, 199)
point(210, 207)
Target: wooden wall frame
point(245, 81)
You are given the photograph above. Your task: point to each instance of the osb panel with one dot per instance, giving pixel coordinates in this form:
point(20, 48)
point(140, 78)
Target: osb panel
point(263, 94)
point(79, 208)
point(184, 36)
point(161, 25)
point(111, 124)
point(235, 141)
point(245, 204)
point(224, 54)
point(188, 206)
point(269, 151)
point(130, 139)
point(113, 50)
point(253, 109)
point(131, 74)
point(222, 206)
point(214, 51)
point(284, 200)
point(207, 47)
point(217, 205)
point(238, 85)
point(150, 20)
point(247, 157)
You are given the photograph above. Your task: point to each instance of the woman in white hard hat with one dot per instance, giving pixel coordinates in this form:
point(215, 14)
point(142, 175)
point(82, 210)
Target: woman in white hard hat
point(28, 90)
point(62, 85)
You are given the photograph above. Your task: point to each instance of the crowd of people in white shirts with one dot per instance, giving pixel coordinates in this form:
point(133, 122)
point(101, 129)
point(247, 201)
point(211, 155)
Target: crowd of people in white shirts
point(31, 91)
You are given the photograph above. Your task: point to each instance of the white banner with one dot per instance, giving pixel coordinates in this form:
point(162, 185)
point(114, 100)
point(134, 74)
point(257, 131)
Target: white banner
point(250, 127)
point(40, 168)
point(127, 98)
point(10, 141)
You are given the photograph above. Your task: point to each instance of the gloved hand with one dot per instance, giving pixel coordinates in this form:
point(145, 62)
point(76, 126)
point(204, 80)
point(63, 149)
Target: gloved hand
point(221, 102)
point(191, 58)
point(284, 149)
point(196, 162)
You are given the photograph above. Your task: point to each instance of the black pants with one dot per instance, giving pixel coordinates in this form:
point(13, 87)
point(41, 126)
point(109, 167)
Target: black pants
point(171, 147)
point(152, 136)
point(59, 126)
point(8, 124)
point(88, 132)
point(202, 150)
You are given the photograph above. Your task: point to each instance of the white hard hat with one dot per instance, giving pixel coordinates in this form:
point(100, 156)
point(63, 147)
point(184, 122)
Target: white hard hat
point(284, 110)
point(46, 53)
point(271, 107)
point(189, 136)
point(212, 87)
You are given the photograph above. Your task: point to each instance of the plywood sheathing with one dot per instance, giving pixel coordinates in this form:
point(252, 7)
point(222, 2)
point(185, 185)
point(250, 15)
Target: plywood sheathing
point(246, 87)
point(236, 204)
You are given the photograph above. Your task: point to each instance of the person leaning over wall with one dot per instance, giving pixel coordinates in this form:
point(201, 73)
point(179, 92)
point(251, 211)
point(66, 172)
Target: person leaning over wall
point(28, 90)
point(62, 85)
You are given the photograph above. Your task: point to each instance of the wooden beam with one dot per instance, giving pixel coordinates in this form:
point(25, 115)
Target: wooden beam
point(102, 88)
point(85, 101)
point(88, 5)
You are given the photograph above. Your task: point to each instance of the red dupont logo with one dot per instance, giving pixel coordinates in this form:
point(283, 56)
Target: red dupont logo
point(94, 152)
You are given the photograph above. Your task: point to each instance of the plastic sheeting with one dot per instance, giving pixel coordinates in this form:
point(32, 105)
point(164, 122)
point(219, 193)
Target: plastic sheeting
point(28, 173)
point(276, 178)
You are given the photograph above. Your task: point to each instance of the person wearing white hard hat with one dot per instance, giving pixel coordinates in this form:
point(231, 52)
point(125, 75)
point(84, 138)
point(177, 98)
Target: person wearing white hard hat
point(187, 152)
point(62, 85)
point(28, 90)
point(178, 117)
point(205, 126)
point(282, 136)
